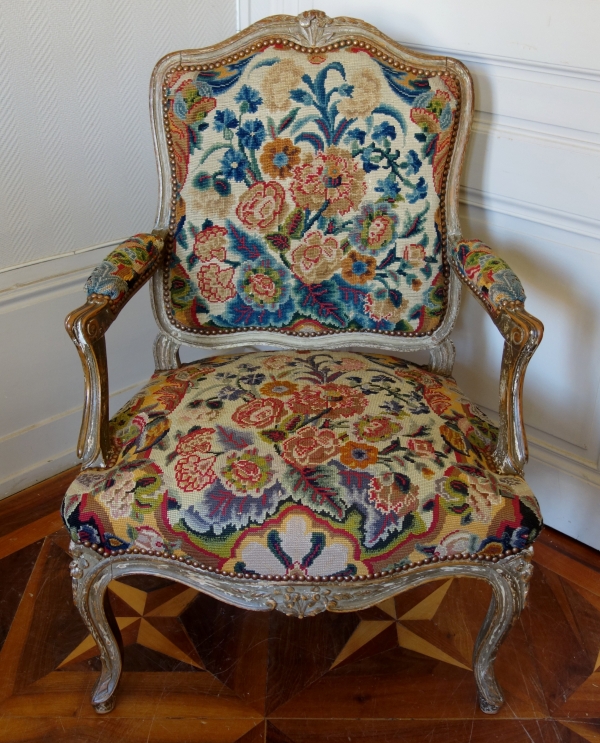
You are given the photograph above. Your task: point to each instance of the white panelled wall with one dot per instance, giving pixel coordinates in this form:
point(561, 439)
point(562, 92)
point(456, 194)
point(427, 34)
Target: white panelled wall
point(77, 175)
point(77, 171)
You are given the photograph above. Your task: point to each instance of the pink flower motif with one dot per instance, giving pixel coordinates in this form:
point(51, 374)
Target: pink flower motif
point(149, 539)
point(259, 413)
point(195, 472)
point(216, 283)
point(415, 255)
point(210, 243)
point(316, 258)
point(332, 177)
point(195, 442)
point(263, 286)
point(311, 447)
point(261, 205)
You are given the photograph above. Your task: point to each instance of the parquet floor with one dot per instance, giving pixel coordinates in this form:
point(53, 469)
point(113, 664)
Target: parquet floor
point(198, 670)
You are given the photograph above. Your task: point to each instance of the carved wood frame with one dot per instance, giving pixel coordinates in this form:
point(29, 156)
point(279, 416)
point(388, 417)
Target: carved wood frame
point(91, 573)
point(509, 575)
point(310, 31)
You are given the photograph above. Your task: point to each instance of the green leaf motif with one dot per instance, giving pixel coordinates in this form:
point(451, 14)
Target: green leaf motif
point(294, 224)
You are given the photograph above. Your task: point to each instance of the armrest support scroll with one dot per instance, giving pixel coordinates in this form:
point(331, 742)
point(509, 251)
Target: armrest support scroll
point(501, 293)
point(109, 288)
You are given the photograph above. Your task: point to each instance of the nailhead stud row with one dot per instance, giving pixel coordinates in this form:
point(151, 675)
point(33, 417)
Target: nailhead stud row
point(469, 556)
point(252, 49)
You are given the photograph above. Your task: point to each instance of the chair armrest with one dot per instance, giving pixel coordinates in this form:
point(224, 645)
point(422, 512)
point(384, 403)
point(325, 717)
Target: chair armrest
point(126, 268)
point(501, 293)
point(109, 287)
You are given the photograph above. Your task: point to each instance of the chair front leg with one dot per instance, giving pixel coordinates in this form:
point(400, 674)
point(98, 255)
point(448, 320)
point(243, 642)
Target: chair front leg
point(90, 581)
point(510, 585)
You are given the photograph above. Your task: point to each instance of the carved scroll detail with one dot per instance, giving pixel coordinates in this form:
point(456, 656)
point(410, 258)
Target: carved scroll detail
point(441, 358)
point(166, 352)
point(313, 28)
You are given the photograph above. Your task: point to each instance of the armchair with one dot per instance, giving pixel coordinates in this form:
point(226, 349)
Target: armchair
point(309, 201)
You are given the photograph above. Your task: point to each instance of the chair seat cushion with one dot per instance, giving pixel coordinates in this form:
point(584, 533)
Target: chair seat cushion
point(302, 463)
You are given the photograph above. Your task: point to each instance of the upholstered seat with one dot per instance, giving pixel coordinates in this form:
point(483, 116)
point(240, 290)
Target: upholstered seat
point(302, 464)
point(310, 174)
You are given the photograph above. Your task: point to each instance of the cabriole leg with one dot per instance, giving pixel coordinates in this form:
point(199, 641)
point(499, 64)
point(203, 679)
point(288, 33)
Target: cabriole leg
point(89, 593)
point(510, 588)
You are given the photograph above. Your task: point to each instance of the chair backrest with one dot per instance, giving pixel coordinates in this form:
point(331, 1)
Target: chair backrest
point(310, 173)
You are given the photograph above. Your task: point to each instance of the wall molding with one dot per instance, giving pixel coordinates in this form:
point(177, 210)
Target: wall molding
point(544, 215)
point(244, 12)
point(515, 63)
point(490, 125)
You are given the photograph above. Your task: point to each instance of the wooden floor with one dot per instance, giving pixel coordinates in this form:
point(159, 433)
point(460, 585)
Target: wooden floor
point(198, 670)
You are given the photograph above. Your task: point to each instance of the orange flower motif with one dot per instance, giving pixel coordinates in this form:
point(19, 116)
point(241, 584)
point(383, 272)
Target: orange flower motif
point(437, 400)
point(194, 472)
point(422, 448)
point(376, 428)
point(261, 205)
point(274, 363)
point(279, 157)
point(311, 447)
point(456, 440)
point(358, 456)
point(259, 413)
point(316, 258)
point(210, 243)
point(331, 176)
point(341, 400)
point(358, 268)
point(279, 388)
point(216, 283)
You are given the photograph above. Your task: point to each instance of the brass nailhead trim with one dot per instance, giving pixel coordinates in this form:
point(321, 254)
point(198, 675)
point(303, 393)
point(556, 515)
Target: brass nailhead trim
point(463, 557)
point(257, 46)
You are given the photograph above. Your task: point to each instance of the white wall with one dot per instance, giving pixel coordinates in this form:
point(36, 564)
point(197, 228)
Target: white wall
point(77, 164)
point(531, 189)
point(77, 175)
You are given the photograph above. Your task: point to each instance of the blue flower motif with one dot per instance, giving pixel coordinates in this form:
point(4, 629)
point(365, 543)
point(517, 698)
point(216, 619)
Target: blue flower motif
point(413, 164)
point(225, 119)
point(253, 379)
point(383, 130)
point(419, 191)
point(230, 393)
point(366, 155)
point(179, 106)
point(252, 134)
point(357, 135)
point(204, 89)
point(249, 99)
point(234, 165)
point(388, 187)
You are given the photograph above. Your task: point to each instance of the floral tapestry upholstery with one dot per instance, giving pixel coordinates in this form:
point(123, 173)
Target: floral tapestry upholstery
point(494, 279)
point(308, 193)
point(302, 463)
point(123, 267)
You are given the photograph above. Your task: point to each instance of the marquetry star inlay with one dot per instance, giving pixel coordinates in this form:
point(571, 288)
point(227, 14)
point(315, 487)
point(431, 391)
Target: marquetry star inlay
point(149, 619)
point(415, 629)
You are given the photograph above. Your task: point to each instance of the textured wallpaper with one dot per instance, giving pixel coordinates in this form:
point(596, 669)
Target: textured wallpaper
point(77, 163)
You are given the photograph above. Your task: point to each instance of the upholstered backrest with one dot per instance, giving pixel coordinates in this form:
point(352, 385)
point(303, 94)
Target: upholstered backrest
point(308, 190)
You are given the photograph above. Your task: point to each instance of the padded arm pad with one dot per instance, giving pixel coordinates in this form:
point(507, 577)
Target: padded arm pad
point(492, 278)
point(120, 272)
